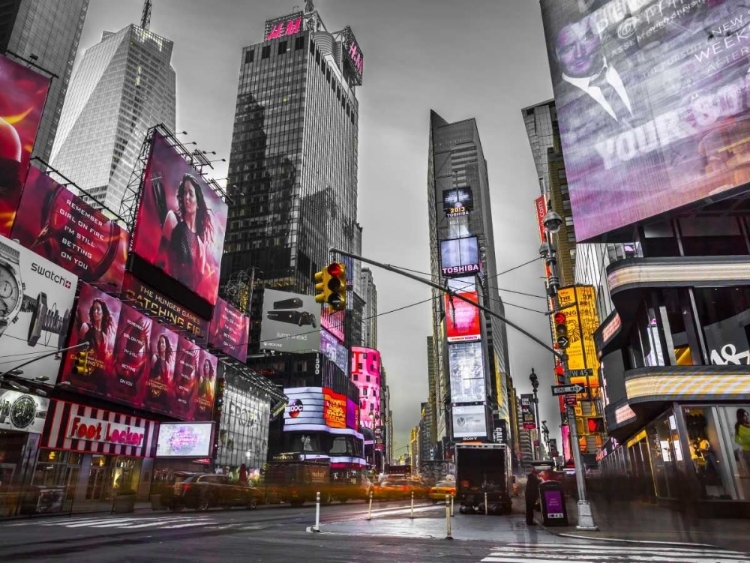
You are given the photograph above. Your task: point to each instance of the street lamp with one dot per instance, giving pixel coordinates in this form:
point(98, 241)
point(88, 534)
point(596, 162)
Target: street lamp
point(552, 224)
point(535, 386)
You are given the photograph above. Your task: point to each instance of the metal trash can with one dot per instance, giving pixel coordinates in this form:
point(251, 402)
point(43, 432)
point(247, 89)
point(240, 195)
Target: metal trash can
point(123, 503)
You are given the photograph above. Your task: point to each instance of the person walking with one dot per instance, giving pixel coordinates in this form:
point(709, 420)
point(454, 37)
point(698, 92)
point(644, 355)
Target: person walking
point(532, 495)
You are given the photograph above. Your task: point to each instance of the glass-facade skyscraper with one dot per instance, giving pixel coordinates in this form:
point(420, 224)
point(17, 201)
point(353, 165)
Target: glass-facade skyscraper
point(456, 162)
point(49, 31)
point(123, 86)
point(292, 176)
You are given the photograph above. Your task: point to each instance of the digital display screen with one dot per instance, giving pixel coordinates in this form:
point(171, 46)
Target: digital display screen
point(184, 439)
point(459, 256)
point(457, 202)
point(469, 421)
point(229, 331)
point(466, 367)
point(652, 102)
point(181, 222)
point(291, 322)
point(462, 319)
point(334, 350)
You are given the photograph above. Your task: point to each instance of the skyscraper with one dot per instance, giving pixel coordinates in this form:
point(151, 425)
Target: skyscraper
point(472, 354)
point(369, 316)
point(292, 175)
point(47, 32)
point(123, 86)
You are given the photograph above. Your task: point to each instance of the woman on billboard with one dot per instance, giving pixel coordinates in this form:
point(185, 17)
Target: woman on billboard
point(98, 332)
point(205, 388)
point(186, 370)
point(186, 235)
point(160, 374)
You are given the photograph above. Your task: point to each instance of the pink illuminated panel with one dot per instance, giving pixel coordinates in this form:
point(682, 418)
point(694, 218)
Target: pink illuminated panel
point(356, 56)
point(285, 28)
point(366, 376)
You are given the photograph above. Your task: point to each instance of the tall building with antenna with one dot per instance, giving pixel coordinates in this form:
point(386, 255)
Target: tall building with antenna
point(292, 176)
point(123, 86)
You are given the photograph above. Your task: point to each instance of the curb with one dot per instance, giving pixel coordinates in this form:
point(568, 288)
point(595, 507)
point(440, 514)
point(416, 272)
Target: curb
point(622, 540)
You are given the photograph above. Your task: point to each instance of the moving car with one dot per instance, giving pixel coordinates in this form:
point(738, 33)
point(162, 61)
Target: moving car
point(202, 492)
point(438, 492)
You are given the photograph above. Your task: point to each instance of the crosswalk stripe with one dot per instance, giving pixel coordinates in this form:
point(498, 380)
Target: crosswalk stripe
point(586, 549)
point(188, 525)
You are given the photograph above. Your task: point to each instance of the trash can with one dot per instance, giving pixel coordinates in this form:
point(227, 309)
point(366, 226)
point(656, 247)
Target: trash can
point(552, 500)
point(123, 502)
point(156, 502)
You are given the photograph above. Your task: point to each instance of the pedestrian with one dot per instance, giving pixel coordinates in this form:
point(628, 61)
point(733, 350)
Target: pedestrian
point(532, 495)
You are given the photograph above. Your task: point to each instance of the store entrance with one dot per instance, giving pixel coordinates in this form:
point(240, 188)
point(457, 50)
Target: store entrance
point(100, 479)
point(6, 473)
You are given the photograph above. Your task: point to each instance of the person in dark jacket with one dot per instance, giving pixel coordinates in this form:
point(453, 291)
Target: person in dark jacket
point(532, 495)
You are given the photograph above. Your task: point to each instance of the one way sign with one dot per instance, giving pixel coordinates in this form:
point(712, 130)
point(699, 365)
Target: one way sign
point(567, 390)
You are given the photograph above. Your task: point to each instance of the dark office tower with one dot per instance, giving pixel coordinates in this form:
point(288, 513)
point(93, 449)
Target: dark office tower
point(293, 163)
point(471, 353)
point(46, 32)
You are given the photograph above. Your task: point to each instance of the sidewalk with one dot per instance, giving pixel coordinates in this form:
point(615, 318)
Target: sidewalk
point(641, 522)
point(79, 508)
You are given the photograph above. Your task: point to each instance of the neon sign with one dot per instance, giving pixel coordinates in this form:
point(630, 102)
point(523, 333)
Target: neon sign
point(285, 28)
point(356, 57)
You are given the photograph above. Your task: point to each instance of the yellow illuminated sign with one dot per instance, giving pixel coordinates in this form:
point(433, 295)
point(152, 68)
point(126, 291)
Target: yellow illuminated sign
point(581, 320)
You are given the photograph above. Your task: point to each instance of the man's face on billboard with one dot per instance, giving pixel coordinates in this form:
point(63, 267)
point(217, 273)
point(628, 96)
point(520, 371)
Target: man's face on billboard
point(578, 49)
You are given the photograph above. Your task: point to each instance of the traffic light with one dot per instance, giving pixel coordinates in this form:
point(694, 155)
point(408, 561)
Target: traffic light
point(80, 363)
point(336, 286)
point(561, 330)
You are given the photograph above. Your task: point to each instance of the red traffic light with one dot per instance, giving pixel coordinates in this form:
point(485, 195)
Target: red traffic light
point(334, 269)
point(559, 369)
point(559, 318)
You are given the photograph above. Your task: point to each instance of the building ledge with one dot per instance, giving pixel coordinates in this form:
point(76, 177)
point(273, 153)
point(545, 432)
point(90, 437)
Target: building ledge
point(687, 383)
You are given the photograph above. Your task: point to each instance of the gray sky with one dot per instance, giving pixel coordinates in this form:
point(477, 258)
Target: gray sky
point(463, 58)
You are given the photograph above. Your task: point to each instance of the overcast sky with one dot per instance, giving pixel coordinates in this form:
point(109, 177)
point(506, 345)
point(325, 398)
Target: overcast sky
point(480, 58)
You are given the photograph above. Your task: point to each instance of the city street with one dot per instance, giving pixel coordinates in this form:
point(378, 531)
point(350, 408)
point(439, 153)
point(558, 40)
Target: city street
point(280, 533)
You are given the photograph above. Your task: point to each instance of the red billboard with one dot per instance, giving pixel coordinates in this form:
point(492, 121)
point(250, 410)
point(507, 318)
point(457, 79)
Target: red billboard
point(139, 362)
point(159, 306)
point(652, 102)
point(181, 222)
point(22, 98)
point(462, 319)
point(63, 228)
point(229, 331)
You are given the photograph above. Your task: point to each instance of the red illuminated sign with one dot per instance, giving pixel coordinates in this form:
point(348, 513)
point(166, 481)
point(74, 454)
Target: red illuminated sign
point(462, 319)
point(334, 409)
point(229, 331)
point(284, 28)
point(22, 98)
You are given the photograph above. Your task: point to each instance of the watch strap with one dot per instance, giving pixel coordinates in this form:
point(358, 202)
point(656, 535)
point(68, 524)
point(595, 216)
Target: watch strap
point(9, 253)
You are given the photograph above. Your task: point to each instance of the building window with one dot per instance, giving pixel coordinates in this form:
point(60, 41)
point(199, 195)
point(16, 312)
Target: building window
point(299, 43)
point(266, 52)
point(249, 56)
point(660, 240)
point(724, 315)
point(712, 236)
point(282, 47)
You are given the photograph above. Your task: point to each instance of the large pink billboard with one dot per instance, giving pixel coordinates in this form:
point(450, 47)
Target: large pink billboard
point(365, 370)
point(63, 228)
point(23, 93)
point(181, 222)
point(229, 331)
point(653, 103)
point(134, 360)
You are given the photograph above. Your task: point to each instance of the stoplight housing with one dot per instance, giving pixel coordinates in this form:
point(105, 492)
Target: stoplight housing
point(321, 286)
point(561, 328)
point(336, 285)
point(80, 363)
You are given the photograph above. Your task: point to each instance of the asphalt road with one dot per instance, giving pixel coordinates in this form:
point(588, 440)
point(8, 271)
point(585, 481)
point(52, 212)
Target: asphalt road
point(268, 534)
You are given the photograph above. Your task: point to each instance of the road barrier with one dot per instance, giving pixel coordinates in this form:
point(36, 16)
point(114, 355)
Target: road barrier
point(369, 510)
point(412, 505)
point(316, 528)
point(448, 535)
point(486, 508)
point(452, 504)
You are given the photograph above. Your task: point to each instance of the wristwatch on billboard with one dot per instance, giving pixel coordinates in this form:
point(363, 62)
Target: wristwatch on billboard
point(11, 286)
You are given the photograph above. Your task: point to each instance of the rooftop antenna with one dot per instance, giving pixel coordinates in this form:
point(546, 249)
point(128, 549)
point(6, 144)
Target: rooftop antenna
point(146, 16)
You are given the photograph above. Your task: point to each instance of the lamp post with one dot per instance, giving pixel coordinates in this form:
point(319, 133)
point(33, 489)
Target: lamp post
point(535, 386)
point(552, 223)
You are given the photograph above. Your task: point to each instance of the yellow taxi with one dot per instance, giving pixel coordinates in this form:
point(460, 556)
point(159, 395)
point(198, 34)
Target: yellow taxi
point(438, 492)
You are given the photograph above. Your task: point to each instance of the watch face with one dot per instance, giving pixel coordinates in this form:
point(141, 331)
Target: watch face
point(10, 293)
point(23, 411)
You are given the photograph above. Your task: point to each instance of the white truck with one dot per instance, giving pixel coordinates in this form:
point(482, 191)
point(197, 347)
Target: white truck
point(483, 473)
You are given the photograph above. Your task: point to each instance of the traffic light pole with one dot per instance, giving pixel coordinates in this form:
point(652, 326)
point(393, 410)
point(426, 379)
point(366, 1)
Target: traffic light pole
point(450, 292)
point(83, 345)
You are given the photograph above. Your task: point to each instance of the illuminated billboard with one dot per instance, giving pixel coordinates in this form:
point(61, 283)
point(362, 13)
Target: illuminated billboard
point(184, 439)
point(22, 412)
point(63, 228)
point(284, 26)
point(181, 222)
point(290, 322)
point(36, 300)
point(581, 321)
point(652, 101)
point(138, 362)
point(457, 202)
point(366, 361)
point(229, 331)
point(305, 409)
point(183, 321)
point(459, 256)
point(462, 319)
point(466, 368)
point(334, 409)
point(528, 416)
point(22, 98)
point(469, 421)
point(333, 322)
point(354, 58)
point(331, 348)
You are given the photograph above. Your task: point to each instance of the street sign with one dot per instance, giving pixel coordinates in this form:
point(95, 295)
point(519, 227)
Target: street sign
point(570, 400)
point(563, 342)
point(581, 372)
point(558, 390)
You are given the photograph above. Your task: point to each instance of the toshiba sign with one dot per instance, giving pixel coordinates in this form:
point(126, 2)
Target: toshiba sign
point(91, 429)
